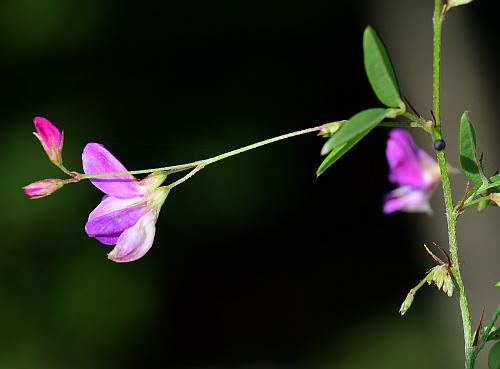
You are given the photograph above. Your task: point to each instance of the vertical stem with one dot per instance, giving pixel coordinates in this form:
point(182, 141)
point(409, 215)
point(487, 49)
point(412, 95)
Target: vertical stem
point(450, 211)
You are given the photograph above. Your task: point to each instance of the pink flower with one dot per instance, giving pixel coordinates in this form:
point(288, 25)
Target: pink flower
point(43, 188)
point(50, 138)
point(416, 173)
point(127, 215)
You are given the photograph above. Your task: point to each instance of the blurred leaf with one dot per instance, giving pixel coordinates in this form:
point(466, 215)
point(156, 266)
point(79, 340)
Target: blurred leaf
point(379, 69)
point(494, 357)
point(494, 334)
point(498, 284)
point(355, 127)
point(468, 159)
point(453, 3)
point(494, 183)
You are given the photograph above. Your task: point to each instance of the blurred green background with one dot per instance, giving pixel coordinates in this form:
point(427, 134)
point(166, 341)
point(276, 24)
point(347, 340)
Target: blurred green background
point(256, 264)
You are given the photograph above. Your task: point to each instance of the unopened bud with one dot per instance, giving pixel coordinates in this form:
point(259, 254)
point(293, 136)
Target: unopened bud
point(329, 129)
point(43, 188)
point(50, 138)
point(407, 302)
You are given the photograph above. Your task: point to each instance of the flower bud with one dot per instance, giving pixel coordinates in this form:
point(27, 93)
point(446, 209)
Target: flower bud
point(495, 197)
point(329, 129)
point(50, 138)
point(43, 188)
point(407, 302)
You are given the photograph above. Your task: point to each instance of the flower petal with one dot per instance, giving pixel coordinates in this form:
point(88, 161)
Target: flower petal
point(47, 132)
point(108, 240)
point(97, 159)
point(110, 204)
point(134, 242)
point(408, 199)
point(404, 158)
point(114, 223)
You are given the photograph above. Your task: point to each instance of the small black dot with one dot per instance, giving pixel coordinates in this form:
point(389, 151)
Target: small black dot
point(439, 145)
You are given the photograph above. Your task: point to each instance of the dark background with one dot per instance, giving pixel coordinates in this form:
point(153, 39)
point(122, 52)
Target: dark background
point(256, 263)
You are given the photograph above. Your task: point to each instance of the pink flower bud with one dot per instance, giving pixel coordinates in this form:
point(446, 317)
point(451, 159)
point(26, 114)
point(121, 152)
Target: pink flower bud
point(43, 188)
point(50, 138)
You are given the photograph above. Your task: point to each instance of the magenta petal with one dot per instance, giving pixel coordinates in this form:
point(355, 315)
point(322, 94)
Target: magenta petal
point(404, 160)
point(108, 240)
point(113, 224)
point(408, 200)
point(134, 242)
point(47, 132)
point(97, 159)
point(108, 205)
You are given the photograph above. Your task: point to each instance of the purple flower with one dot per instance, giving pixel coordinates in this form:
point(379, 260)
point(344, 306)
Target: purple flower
point(50, 138)
point(416, 173)
point(127, 215)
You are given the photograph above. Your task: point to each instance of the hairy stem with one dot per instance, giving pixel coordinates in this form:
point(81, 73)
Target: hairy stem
point(205, 162)
point(451, 216)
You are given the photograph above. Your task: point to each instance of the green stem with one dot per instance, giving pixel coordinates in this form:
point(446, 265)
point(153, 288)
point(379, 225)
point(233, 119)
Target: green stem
point(205, 162)
point(451, 216)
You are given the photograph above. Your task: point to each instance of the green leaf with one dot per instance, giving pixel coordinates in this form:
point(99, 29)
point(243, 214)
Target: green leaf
point(498, 284)
point(355, 127)
point(379, 70)
point(494, 357)
point(494, 334)
point(337, 153)
point(494, 184)
point(468, 159)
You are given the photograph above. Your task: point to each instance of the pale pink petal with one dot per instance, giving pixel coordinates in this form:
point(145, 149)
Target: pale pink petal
point(407, 199)
point(135, 241)
point(97, 159)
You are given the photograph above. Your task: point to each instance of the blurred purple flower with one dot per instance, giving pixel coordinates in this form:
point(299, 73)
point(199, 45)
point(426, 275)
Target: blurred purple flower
point(50, 138)
point(416, 173)
point(127, 215)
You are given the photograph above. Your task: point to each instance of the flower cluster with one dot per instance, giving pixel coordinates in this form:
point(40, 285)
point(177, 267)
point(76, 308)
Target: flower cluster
point(127, 214)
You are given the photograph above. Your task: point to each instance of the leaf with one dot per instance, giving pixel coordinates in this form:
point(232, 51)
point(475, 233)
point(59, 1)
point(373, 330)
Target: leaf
point(379, 70)
point(468, 159)
point(337, 153)
point(494, 184)
point(356, 126)
point(453, 3)
point(494, 357)
point(494, 334)
point(498, 284)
